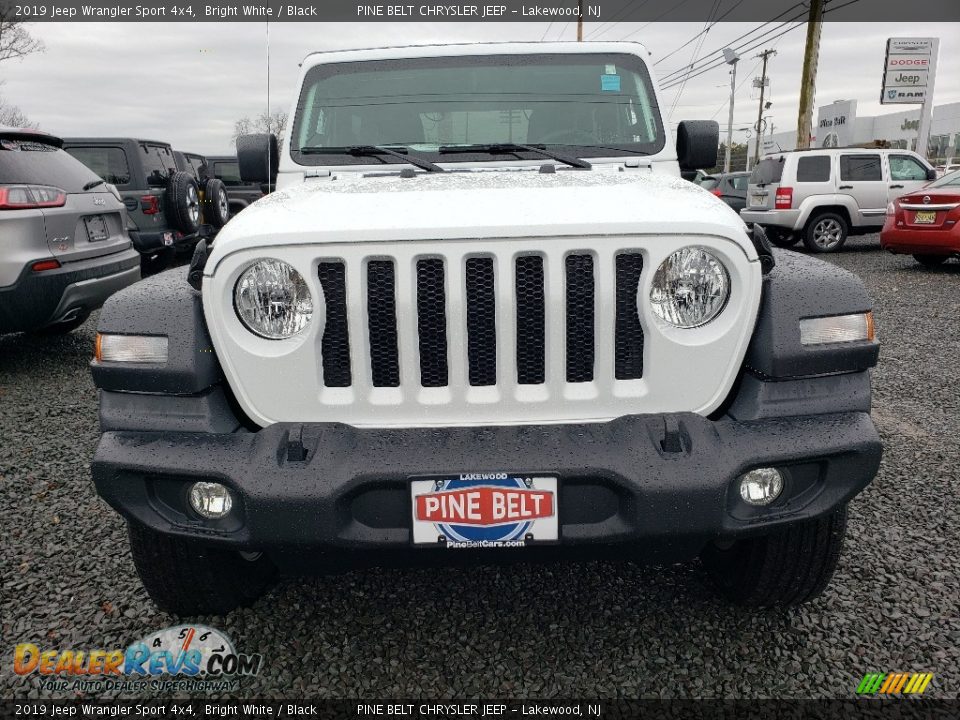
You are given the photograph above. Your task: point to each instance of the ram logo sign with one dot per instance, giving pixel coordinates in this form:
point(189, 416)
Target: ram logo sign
point(908, 70)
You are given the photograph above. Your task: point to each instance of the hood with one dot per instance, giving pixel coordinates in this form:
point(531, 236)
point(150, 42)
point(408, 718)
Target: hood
point(488, 203)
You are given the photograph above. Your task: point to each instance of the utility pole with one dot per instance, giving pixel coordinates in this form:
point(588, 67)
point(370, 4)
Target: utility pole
point(808, 82)
point(579, 20)
point(731, 57)
point(765, 55)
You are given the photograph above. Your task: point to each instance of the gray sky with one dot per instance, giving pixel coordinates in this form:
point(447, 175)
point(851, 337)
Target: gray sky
point(188, 82)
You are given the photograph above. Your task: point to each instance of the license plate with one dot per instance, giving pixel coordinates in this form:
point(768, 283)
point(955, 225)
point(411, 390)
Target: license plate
point(168, 239)
point(925, 217)
point(484, 510)
point(757, 199)
point(96, 228)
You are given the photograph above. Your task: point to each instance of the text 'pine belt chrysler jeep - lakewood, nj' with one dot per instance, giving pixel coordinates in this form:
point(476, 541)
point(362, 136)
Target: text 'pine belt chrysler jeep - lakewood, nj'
point(484, 313)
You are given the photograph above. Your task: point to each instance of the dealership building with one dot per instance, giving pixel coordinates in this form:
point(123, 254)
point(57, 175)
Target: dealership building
point(838, 125)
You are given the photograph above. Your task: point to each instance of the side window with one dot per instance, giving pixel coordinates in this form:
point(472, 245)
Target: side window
point(228, 172)
point(904, 167)
point(815, 168)
point(110, 163)
point(860, 168)
point(740, 182)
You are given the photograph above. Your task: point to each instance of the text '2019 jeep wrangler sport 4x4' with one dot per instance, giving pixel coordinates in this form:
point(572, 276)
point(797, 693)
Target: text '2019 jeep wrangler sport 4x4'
point(483, 312)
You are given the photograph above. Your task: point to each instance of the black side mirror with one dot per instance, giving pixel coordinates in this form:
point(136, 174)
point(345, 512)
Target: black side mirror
point(258, 157)
point(698, 142)
point(931, 174)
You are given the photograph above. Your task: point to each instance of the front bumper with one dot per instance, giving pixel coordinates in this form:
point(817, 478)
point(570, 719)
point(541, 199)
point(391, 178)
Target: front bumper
point(642, 478)
point(40, 299)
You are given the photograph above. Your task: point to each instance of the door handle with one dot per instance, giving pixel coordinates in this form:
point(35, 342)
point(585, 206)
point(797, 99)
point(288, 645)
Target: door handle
point(896, 186)
point(846, 187)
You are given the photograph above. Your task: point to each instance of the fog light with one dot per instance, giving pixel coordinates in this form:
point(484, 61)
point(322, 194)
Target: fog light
point(211, 500)
point(761, 486)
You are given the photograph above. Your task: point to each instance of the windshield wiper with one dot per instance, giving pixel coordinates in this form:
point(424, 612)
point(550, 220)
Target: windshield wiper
point(92, 184)
point(373, 151)
point(513, 149)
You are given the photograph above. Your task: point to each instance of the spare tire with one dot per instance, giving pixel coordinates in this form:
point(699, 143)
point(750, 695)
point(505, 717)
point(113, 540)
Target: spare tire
point(216, 203)
point(183, 203)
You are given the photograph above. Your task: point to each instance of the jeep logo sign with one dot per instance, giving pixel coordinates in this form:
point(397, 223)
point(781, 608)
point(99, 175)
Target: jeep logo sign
point(906, 70)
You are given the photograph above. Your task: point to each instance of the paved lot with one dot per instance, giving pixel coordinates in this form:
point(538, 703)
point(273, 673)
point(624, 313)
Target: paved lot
point(598, 629)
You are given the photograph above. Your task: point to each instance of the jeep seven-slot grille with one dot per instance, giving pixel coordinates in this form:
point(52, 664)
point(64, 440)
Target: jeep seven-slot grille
point(483, 306)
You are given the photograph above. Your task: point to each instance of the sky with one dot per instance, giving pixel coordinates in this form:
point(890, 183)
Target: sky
point(187, 83)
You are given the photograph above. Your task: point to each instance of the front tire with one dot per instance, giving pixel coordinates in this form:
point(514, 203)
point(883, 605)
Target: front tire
point(825, 233)
point(789, 566)
point(185, 577)
point(930, 260)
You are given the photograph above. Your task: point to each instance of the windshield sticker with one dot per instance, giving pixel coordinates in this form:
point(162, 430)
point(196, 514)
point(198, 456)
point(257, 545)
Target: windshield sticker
point(610, 83)
point(610, 70)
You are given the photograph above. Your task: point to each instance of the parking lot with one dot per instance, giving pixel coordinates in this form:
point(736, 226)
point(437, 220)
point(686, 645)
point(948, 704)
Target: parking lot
point(607, 629)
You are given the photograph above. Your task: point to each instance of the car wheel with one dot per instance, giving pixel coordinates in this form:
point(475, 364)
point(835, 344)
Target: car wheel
point(781, 237)
point(185, 577)
point(64, 327)
point(789, 566)
point(826, 233)
point(930, 260)
point(183, 197)
point(216, 203)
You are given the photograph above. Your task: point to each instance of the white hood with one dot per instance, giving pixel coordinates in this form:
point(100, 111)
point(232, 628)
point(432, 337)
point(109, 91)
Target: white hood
point(480, 203)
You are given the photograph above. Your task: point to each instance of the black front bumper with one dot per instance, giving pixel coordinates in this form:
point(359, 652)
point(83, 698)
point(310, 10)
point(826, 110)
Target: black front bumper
point(643, 478)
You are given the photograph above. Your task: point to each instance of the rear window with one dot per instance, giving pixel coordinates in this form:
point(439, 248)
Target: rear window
point(813, 169)
point(862, 168)
point(110, 163)
point(196, 164)
point(158, 162)
point(767, 171)
point(31, 162)
point(228, 171)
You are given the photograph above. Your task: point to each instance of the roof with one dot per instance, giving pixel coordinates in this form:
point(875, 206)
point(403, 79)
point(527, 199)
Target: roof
point(96, 140)
point(29, 134)
point(460, 49)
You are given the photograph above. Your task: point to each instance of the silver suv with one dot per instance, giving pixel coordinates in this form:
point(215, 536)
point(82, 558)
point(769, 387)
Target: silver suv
point(65, 247)
point(822, 196)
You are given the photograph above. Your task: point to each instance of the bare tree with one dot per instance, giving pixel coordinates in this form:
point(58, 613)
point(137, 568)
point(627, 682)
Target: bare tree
point(275, 123)
point(12, 116)
point(16, 42)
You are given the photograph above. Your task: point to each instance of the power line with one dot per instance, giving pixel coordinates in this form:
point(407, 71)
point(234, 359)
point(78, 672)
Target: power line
point(547, 31)
point(693, 58)
point(611, 23)
point(702, 33)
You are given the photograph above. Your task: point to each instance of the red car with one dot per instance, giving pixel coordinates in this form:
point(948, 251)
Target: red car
point(926, 223)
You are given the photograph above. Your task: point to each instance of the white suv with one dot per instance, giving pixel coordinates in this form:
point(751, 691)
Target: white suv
point(822, 196)
point(483, 312)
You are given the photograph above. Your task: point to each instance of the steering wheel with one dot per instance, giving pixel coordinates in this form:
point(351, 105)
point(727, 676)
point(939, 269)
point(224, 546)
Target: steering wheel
point(568, 136)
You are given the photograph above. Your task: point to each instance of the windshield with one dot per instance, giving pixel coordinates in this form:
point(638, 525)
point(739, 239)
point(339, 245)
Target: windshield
point(593, 104)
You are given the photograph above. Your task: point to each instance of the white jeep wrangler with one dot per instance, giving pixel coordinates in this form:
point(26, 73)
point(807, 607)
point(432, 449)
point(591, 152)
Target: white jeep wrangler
point(483, 311)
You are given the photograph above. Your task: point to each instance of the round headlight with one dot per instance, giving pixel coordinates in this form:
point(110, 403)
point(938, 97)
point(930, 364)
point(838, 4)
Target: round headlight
point(272, 300)
point(690, 288)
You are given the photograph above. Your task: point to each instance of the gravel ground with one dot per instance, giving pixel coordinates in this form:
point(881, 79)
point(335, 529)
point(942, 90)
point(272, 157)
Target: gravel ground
point(599, 629)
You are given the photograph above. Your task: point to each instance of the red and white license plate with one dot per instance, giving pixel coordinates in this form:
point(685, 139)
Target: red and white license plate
point(484, 510)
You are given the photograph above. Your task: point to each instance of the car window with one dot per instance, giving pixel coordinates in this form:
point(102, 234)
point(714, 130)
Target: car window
point(228, 171)
point(815, 168)
point(32, 162)
point(740, 182)
point(949, 180)
point(196, 164)
point(904, 167)
point(158, 161)
point(768, 170)
point(862, 168)
point(709, 183)
point(110, 163)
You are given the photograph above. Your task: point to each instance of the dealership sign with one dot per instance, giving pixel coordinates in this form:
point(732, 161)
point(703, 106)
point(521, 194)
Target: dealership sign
point(907, 70)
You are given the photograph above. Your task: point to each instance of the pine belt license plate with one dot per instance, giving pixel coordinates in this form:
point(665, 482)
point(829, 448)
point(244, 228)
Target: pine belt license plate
point(925, 217)
point(484, 510)
point(96, 228)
